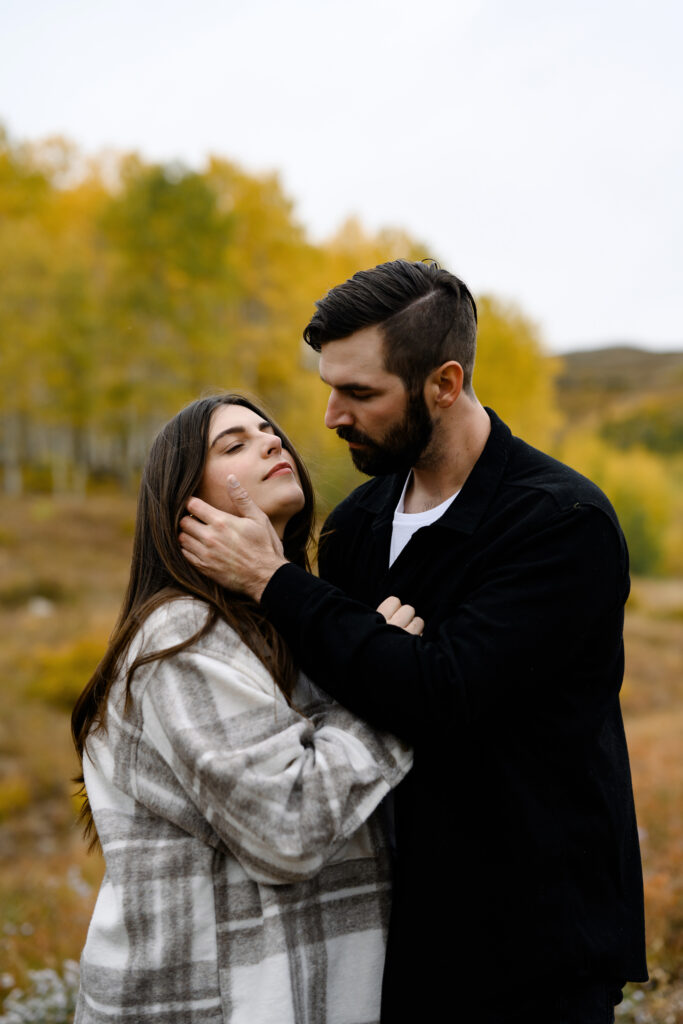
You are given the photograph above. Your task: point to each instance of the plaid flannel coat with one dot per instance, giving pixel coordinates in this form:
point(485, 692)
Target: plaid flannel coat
point(247, 878)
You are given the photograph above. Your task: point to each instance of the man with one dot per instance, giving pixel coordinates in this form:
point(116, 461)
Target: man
point(518, 888)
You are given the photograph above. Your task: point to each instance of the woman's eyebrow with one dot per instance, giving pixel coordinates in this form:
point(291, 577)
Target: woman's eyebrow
point(263, 425)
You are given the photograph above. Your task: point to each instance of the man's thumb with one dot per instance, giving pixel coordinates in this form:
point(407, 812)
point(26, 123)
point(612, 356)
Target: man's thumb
point(243, 503)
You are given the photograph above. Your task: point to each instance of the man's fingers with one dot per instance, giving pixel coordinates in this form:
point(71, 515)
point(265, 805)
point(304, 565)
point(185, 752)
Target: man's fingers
point(243, 505)
point(203, 511)
point(192, 527)
point(389, 606)
point(191, 556)
point(238, 549)
point(241, 499)
point(191, 545)
point(403, 616)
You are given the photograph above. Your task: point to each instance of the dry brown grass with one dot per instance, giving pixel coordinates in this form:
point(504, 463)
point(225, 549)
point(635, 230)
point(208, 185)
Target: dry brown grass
point(653, 710)
point(63, 569)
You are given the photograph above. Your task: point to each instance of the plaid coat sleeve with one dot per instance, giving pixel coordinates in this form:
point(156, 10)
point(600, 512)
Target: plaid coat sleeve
point(282, 787)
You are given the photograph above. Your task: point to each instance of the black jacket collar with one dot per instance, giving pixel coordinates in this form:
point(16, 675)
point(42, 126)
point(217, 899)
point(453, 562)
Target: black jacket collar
point(464, 515)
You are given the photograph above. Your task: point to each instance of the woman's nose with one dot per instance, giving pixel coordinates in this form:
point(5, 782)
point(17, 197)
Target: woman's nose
point(273, 445)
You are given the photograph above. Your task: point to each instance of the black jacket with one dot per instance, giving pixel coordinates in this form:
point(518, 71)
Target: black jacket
point(518, 859)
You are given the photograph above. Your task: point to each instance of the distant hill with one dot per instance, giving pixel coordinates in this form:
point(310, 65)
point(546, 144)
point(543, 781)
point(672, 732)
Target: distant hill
point(631, 395)
point(622, 369)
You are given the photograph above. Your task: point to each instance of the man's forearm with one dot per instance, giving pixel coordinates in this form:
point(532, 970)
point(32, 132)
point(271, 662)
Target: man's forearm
point(327, 631)
point(505, 637)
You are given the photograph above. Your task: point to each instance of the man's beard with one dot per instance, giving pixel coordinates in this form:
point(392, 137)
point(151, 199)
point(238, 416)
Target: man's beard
point(401, 447)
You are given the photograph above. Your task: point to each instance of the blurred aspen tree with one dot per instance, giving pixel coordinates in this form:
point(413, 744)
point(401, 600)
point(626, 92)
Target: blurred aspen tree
point(513, 374)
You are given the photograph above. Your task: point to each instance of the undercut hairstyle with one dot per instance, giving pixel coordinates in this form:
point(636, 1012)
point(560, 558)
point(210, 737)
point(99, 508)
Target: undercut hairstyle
point(160, 572)
point(427, 317)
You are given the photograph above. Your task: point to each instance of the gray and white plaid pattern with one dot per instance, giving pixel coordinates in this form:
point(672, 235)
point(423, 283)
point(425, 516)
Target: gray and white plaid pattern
point(247, 878)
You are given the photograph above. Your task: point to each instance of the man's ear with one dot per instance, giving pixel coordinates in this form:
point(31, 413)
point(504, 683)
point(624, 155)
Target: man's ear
point(444, 384)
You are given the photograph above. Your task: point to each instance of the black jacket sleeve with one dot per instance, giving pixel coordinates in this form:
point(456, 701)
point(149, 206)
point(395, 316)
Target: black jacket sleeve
point(544, 620)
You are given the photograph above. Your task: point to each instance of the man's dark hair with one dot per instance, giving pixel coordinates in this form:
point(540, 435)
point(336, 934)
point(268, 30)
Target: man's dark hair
point(427, 317)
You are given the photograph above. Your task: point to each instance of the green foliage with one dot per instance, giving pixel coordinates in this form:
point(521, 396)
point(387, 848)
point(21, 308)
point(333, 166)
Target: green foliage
point(655, 425)
point(166, 222)
point(23, 187)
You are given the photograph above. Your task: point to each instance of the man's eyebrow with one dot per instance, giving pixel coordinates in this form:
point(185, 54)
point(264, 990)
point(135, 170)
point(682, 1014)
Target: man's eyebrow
point(351, 386)
point(263, 425)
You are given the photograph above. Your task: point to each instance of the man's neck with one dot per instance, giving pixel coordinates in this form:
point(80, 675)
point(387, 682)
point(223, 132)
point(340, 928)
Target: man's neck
point(450, 460)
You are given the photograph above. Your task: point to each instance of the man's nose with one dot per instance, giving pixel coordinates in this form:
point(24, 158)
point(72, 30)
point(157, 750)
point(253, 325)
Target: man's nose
point(336, 415)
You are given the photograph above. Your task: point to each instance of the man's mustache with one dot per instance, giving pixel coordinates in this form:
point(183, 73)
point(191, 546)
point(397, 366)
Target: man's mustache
point(355, 436)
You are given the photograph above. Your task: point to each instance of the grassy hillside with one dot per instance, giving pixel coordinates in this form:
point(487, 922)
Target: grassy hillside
point(608, 380)
point(621, 423)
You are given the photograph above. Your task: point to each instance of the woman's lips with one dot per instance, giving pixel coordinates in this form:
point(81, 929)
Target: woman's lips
point(282, 467)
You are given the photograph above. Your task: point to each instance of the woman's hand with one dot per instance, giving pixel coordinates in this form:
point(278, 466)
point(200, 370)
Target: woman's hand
point(402, 615)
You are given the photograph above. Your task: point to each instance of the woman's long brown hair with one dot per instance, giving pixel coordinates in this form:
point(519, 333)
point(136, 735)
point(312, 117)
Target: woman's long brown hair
point(160, 572)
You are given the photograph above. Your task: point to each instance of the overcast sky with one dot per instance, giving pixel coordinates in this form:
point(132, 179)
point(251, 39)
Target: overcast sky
point(534, 146)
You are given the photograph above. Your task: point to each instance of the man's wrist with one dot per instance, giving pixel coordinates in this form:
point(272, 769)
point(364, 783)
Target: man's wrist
point(265, 573)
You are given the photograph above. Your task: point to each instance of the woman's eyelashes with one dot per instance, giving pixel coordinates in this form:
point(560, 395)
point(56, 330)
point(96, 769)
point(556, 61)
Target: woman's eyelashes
point(236, 446)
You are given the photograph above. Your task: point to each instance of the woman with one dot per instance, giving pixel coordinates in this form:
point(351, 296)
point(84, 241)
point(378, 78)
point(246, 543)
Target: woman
point(246, 874)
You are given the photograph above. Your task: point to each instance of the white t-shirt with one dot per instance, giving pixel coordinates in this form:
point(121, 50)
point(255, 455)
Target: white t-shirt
point(406, 523)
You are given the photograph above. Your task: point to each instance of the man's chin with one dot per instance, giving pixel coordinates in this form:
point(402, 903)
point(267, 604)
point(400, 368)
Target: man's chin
point(372, 464)
point(362, 460)
point(359, 460)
